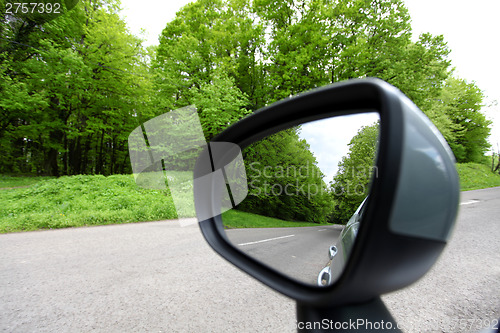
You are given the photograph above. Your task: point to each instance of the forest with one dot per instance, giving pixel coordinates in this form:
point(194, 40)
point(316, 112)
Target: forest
point(74, 86)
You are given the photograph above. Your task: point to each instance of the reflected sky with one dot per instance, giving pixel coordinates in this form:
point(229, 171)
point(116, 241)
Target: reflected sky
point(329, 138)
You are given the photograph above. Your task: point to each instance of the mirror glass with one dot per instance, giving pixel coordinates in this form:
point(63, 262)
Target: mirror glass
point(306, 189)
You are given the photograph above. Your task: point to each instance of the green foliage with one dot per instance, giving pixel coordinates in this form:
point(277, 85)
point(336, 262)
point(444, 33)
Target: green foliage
point(422, 69)
point(18, 181)
point(206, 58)
point(461, 102)
point(272, 50)
point(352, 183)
point(318, 42)
point(284, 180)
point(72, 89)
point(82, 201)
point(95, 200)
point(202, 38)
point(219, 103)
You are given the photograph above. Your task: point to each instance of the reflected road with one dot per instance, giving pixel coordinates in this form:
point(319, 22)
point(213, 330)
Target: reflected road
point(300, 252)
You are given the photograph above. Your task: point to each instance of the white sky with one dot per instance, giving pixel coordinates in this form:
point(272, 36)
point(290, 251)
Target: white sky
point(150, 15)
point(470, 27)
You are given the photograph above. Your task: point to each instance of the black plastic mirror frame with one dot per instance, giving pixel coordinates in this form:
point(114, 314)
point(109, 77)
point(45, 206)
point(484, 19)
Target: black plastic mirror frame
point(318, 260)
point(376, 243)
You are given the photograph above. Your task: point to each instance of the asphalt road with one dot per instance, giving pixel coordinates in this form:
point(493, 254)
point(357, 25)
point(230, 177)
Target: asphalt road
point(297, 252)
point(462, 291)
point(160, 277)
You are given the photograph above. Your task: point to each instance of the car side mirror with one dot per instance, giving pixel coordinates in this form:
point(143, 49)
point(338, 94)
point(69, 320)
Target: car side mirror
point(404, 224)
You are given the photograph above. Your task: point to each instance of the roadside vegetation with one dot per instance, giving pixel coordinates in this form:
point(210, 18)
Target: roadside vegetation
point(80, 201)
point(9, 182)
point(35, 203)
point(74, 87)
point(237, 219)
point(475, 176)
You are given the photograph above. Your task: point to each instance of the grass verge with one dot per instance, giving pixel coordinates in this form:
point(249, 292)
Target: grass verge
point(82, 201)
point(237, 219)
point(474, 176)
point(33, 203)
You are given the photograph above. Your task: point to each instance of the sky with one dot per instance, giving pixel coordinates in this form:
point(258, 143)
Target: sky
point(470, 27)
point(150, 15)
point(329, 138)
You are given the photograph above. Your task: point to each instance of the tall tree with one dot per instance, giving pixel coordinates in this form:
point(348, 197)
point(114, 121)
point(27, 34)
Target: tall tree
point(207, 57)
point(356, 170)
point(461, 102)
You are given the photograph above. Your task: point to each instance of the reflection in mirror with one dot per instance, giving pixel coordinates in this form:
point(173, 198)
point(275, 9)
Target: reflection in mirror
point(306, 186)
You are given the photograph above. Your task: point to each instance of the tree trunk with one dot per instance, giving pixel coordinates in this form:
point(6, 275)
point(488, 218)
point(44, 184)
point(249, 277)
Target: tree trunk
point(85, 159)
point(75, 157)
point(99, 150)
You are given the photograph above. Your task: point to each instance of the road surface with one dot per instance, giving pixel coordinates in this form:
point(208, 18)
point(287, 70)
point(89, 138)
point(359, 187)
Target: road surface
point(160, 277)
point(299, 252)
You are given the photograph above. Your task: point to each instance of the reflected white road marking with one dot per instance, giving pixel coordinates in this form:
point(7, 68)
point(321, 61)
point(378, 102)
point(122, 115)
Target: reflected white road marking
point(469, 202)
point(265, 240)
point(322, 230)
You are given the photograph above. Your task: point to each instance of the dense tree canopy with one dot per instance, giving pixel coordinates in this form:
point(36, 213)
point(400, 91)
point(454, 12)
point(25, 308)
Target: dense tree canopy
point(272, 50)
point(284, 180)
point(72, 90)
point(73, 87)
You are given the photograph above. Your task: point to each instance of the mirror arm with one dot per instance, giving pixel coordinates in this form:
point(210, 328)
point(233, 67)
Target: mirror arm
point(366, 317)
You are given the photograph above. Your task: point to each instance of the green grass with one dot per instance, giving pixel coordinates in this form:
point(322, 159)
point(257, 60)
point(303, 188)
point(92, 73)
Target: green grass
point(83, 201)
point(474, 176)
point(237, 219)
point(17, 181)
point(33, 203)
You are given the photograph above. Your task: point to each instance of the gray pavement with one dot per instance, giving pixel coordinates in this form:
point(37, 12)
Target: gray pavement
point(160, 277)
point(461, 293)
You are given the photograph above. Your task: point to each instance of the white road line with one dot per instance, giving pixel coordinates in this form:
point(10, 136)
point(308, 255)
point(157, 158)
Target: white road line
point(469, 202)
point(265, 240)
point(322, 230)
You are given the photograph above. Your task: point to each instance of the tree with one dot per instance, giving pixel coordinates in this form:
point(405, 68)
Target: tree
point(356, 170)
point(207, 39)
point(284, 180)
point(80, 84)
point(73, 87)
point(422, 70)
point(313, 43)
point(220, 103)
point(466, 128)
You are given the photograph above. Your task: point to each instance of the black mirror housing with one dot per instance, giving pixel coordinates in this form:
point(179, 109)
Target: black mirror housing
point(412, 205)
